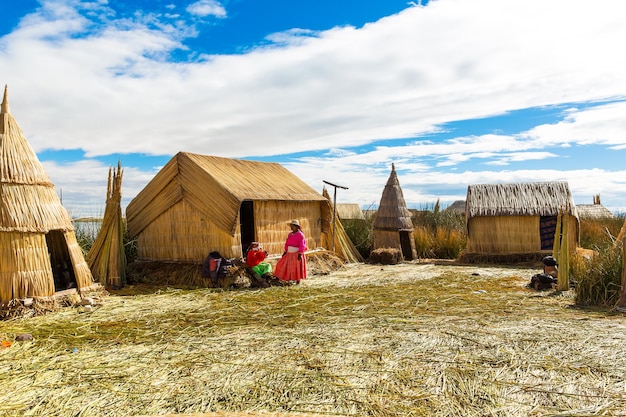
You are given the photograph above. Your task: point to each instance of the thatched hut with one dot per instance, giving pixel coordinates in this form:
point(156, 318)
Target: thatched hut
point(39, 254)
point(457, 208)
point(350, 211)
point(595, 211)
point(200, 203)
point(518, 218)
point(393, 227)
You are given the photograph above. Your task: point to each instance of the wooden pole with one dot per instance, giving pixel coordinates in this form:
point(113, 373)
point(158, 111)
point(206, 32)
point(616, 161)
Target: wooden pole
point(334, 208)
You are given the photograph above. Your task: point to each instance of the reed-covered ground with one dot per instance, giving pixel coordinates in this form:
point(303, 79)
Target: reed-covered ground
point(413, 339)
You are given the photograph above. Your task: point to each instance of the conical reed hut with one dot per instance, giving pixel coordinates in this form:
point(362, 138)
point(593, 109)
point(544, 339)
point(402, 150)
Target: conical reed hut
point(518, 218)
point(39, 254)
point(107, 258)
point(393, 227)
point(199, 203)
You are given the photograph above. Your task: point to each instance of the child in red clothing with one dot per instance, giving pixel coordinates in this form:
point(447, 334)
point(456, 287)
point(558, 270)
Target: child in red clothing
point(254, 261)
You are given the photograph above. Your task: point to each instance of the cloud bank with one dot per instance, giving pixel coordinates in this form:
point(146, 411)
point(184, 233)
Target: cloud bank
point(80, 77)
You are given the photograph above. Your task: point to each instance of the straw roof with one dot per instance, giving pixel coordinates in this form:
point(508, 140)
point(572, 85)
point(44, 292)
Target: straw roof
point(457, 207)
point(28, 200)
point(519, 199)
point(202, 180)
point(593, 211)
point(392, 212)
point(350, 211)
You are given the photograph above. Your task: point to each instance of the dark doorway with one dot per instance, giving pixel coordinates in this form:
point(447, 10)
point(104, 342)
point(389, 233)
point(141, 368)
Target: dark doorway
point(547, 229)
point(62, 268)
point(405, 244)
point(246, 224)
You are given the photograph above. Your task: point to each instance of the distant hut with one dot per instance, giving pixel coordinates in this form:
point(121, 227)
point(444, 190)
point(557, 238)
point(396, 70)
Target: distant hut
point(595, 211)
point(520, 218)
point(457, 207)
point(200, 203)
point(350, 211)
point(393, 227)
point(351, 216)
point(39, 254)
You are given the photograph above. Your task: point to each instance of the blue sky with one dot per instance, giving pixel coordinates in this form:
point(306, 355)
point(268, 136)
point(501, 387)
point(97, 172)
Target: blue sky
point(453, 92)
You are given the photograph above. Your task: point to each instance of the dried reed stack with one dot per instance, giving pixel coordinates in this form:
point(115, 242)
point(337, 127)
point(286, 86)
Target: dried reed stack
point(393, 227)
point(36, 232)
point(106, 258)
point(343, 245)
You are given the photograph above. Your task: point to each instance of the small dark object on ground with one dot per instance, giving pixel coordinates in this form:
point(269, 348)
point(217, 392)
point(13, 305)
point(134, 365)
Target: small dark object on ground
point(542, 282)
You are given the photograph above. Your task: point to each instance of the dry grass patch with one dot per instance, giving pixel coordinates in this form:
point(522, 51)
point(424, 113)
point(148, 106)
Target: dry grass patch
point(367, 340)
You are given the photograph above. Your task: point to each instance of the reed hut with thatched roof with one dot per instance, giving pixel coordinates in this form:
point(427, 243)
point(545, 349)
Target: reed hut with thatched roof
point(519, 218)
point(393, 227)
point(200, 203)
point(350, 211)
point(39, 254)
point(595, 211)
point(457, 207)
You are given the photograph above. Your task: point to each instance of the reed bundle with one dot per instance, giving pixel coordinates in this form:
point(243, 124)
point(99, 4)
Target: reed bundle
point(106, 257)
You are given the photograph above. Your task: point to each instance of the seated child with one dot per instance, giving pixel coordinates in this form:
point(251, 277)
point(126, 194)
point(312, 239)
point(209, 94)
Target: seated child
point(255, 256)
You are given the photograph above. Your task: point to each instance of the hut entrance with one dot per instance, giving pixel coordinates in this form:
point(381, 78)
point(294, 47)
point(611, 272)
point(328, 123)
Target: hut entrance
point(62, 268)
point(246, 224)
point(405, 244)
point(547, 229)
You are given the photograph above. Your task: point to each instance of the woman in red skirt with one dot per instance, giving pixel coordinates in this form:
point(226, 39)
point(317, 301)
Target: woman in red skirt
point(292, 266)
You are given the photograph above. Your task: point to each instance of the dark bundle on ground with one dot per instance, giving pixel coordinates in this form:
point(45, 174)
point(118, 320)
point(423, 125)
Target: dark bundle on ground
point(542, 282)
point(186, 275)
point(385, 256)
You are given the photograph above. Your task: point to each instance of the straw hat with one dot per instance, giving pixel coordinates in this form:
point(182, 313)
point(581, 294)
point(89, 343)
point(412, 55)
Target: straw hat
point(295, 222)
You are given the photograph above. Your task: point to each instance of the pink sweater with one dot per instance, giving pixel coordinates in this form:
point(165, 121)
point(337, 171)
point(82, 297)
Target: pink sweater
point(296, 239)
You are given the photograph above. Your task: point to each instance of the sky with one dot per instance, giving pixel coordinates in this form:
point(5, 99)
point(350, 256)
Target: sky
point(452, 92)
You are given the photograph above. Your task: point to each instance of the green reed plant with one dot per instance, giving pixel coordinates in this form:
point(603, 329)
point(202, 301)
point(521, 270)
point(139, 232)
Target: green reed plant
point(597, 277)
point(438, 233)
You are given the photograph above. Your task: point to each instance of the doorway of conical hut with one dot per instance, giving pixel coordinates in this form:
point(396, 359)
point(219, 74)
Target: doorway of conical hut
point(246, 225)
point(62, 268)
point(405, 244)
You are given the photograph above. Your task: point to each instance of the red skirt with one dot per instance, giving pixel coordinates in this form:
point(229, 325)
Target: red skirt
point(289, 268)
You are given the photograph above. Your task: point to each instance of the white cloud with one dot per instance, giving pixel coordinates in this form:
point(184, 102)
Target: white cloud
point(205, 8)
point(113, 90)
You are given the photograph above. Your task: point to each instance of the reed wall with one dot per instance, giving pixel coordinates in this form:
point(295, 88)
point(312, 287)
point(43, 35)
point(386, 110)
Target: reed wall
point(25, 269)
point(271, 222)
point(181, 234)
point(508, 234)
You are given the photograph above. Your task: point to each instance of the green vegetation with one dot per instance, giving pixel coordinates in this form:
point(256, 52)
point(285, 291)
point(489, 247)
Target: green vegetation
point(597, 277)
point(438, 233)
